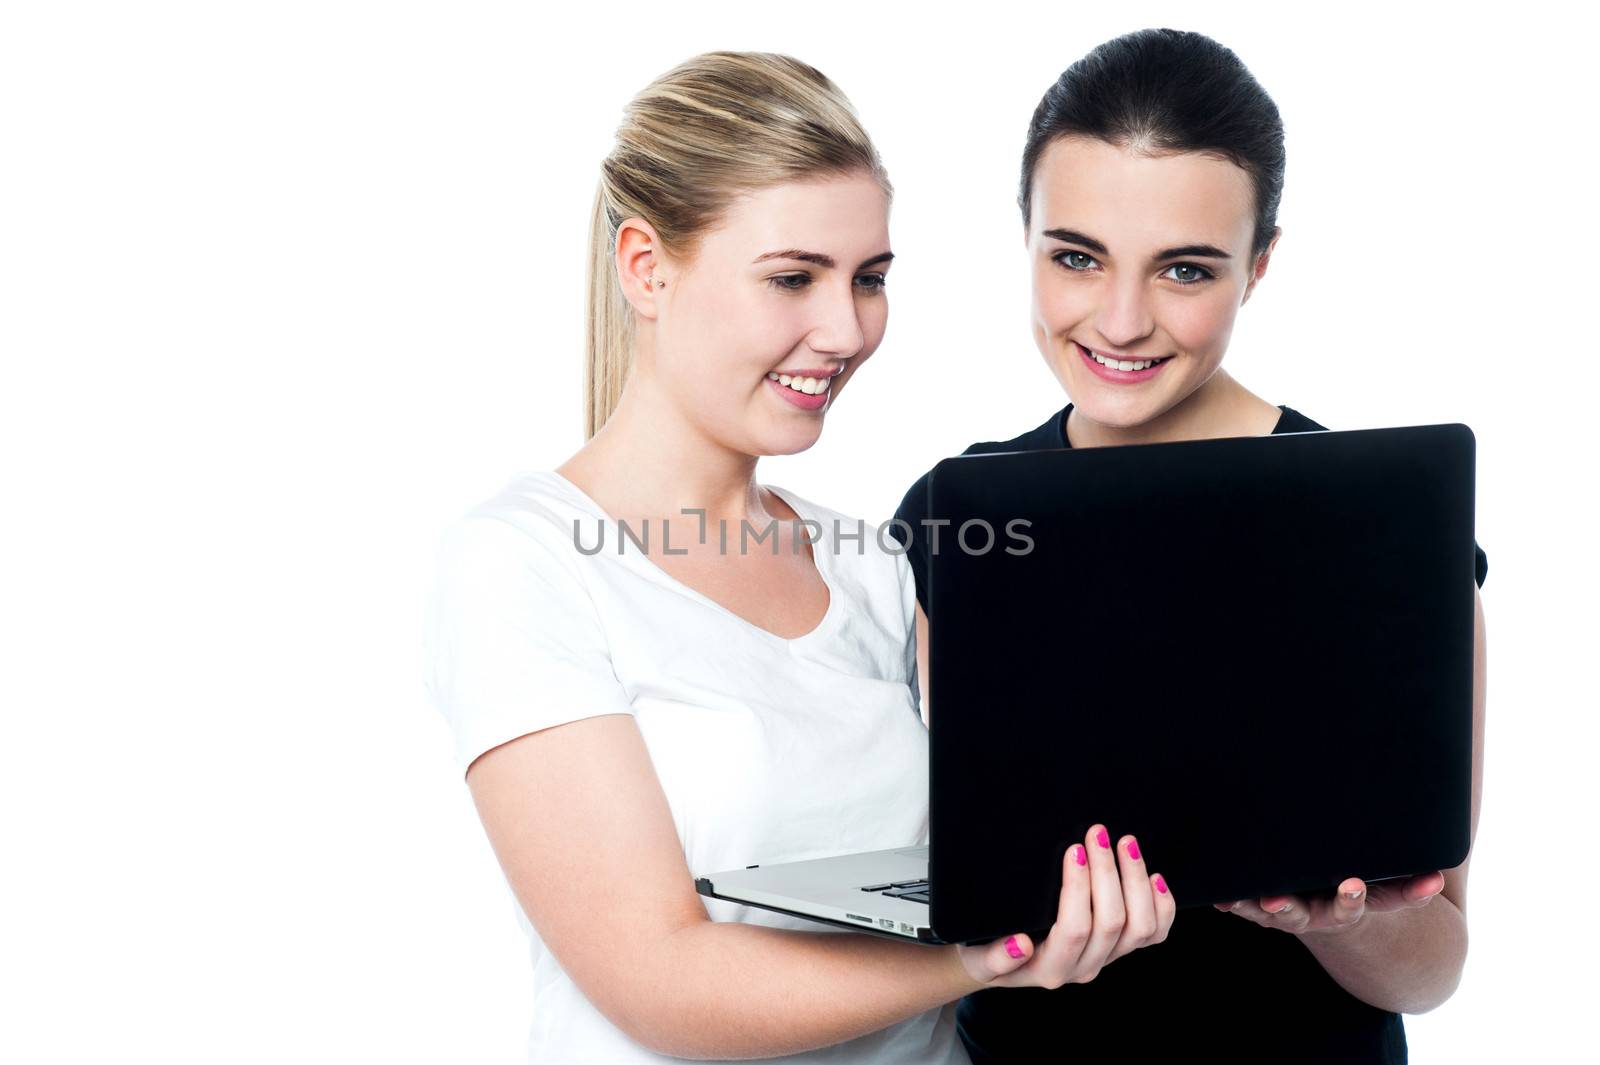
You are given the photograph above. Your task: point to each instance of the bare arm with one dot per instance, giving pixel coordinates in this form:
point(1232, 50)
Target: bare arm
point(579, 822)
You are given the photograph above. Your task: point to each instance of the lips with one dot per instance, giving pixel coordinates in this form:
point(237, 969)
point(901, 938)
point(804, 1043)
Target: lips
point(1117, 377)
point(1089, 352)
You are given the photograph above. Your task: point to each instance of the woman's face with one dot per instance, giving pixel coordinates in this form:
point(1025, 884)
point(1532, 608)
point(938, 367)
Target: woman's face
point(791, 283)
point(1136, 258)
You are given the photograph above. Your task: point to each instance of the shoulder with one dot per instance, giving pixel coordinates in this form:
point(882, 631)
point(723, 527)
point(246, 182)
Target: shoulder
point(1045, 436)
point(533, 522)
point(1292, 421)
point(1295, 422)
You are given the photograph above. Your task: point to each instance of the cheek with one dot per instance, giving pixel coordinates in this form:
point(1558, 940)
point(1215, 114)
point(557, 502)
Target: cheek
point(1057, 305)
point(874, 316)
point(1201, 325)
point(736, 337)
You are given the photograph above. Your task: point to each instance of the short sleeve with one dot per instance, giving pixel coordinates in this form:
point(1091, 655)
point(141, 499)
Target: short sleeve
point(513, 641)
point(908, 531)
point(1480, 563)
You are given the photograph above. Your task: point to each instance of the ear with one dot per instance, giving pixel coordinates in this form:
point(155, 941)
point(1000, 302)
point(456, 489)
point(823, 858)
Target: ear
point(1261, 265)
point(638, 255)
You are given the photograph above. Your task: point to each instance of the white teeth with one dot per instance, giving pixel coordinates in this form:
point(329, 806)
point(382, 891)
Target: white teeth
point(1122, 364)
point(808, 385)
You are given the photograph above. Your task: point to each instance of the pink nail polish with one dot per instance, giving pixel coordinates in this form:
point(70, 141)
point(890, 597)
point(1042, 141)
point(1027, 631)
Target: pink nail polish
point(1012, 948)
point(1102, 839)
point(1161, 884)
point(1080, 855)
point(1133, 849)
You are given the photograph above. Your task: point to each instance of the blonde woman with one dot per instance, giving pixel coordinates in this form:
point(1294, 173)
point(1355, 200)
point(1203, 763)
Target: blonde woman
point(625, 718)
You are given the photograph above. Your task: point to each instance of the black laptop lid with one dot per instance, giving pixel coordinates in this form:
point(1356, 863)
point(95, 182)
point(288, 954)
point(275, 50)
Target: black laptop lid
point(1255, 654)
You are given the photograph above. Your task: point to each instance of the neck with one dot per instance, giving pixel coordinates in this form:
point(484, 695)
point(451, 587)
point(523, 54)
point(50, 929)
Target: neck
point(650, 460)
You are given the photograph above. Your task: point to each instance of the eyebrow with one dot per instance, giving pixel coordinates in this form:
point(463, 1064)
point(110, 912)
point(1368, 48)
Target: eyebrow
point(825, 261)
point(1198, 251)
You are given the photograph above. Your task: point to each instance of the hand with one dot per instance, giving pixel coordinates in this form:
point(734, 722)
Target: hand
point(1351, 901)
point(1103, 914)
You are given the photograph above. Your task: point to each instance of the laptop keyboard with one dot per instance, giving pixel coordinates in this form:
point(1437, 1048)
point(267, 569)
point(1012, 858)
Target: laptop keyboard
point(910, 890)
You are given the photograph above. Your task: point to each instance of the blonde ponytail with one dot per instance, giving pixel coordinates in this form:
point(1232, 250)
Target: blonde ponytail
point(716, 126)
point(608, 337)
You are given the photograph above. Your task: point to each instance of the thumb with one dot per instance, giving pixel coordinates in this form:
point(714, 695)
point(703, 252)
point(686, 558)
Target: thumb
point(997, 959)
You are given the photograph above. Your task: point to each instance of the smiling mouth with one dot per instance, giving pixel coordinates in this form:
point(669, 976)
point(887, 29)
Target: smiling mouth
point(1126, 365)
point(809, 386)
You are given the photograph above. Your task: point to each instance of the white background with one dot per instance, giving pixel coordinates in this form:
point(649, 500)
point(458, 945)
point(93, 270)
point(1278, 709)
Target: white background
point(284, 288)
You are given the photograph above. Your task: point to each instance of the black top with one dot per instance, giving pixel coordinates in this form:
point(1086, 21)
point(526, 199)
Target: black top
point(1219, 985)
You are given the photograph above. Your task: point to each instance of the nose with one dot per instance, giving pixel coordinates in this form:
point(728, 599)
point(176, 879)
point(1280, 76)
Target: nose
point(838, 329)
point(1124, 318)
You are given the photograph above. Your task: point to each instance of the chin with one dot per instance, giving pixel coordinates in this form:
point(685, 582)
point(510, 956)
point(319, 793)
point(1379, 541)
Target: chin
point(787, 442)
point(1124, 413)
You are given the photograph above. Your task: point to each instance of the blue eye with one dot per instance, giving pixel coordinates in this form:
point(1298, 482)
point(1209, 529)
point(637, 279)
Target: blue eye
point(1197, 273)
point(872, 283)
point(1070, 260)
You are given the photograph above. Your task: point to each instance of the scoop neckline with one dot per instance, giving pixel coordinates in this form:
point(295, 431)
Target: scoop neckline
point(655, 572)
point(1064, 412)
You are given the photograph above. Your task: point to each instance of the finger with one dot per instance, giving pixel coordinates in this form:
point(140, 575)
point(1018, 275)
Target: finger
point(1345, 908)
point(1288, 912)
point(1074, 916)
point(1105, 901)
point(1009, 954)
point(1349, 902)
point(1138, 899)
point(996, 963)
point(1058, 956)
point(1404, 894)
point(1166, 906)
point(1422, 889)
point(1250, 910)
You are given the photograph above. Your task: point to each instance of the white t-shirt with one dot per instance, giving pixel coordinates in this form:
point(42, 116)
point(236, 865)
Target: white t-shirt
point(769, 750)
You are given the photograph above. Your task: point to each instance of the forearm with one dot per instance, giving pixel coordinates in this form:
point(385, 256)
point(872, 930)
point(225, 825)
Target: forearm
point(731, 990)
point(1407, 961)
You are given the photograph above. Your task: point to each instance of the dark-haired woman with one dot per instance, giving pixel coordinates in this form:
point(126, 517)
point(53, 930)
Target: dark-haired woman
point(1149, 194)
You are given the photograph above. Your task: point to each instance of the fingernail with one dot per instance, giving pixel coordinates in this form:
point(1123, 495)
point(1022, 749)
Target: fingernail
point(1161, 884)
point(1102, 839)
point(1080, 855)
point(1133, 849)
point(1352, 895)
point(1012, 948)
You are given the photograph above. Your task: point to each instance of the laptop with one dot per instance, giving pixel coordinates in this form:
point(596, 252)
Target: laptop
point(1254, 653)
